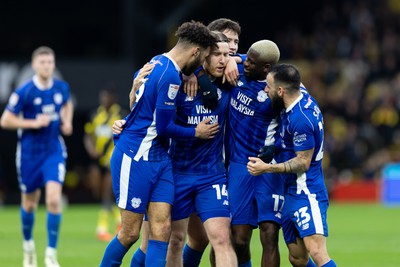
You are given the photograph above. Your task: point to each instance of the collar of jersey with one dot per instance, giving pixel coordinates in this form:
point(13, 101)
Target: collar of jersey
point(173, 61)
point(294, 103)
point(40, 86)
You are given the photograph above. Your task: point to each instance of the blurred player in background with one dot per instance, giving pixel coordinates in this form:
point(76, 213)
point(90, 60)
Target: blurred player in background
point(140, 164)
point(99, 144)
point(41, 110)
point(300, 163)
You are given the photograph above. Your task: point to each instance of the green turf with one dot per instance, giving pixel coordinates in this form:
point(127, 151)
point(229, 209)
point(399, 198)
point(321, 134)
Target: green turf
point(361, 235)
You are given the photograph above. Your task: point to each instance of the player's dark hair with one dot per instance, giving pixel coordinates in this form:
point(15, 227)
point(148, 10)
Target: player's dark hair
point(196, 33)
point(223, 24)
point(220, 37)
point(286, 75)
point(42, 50)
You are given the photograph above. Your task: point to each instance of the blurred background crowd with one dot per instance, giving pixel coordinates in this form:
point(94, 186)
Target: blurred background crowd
point(347, 51)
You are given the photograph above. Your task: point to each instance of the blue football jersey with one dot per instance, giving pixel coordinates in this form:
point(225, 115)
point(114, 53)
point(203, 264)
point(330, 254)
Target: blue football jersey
point(30, 100)
point(252, 120)
point(193, 155)
point(139, 137)
point(302, 129)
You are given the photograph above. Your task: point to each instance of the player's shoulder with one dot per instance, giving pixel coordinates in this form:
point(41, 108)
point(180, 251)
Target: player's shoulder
point(61, 84)
point(306, 110)
point(25, 87)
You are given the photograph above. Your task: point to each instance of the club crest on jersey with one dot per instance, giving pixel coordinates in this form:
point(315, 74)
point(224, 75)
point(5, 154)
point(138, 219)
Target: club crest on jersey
point(262, 96)
point(239, 83)
point(173, 91)
point(219, 92)
point(136, 202)
point(37, 101)
point(57, 98)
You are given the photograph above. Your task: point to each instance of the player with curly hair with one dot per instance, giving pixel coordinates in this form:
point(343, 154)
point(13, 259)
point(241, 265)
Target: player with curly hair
point(140, 164)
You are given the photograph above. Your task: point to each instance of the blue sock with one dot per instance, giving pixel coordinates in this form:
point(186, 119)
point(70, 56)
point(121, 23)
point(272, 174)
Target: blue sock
point(53, 228)
point(246, 264)
point(191, 257)
point(138, 258)
point(310, 263)
point(27, 220)
point(114, 254)
point(156, 253)
point(330, 263)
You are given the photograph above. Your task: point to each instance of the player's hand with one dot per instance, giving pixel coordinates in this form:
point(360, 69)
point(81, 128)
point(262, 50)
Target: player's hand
point(66, 128)
point(139, 81)
point(267, 153)
point(190, 85)
point(231, 73)
point(42, 120)
point(256, 166)
point(204, 130)
point(118, 126)
point(141, 77)
point(208, 92)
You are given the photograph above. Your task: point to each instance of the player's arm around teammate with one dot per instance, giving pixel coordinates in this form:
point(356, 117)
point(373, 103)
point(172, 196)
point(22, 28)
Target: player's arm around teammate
point(305, 227)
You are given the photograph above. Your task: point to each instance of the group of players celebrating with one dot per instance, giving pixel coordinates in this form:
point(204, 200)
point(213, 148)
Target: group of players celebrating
point(216, 144)
point(251, 132)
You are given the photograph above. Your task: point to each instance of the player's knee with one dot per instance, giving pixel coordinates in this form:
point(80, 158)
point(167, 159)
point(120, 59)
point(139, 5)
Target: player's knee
point(298, 261)
point(161, 230)
point(128, 236)
point(198, 244)
point(176, 242)
point(221, 239)
point(53, 204)
point(269, 234)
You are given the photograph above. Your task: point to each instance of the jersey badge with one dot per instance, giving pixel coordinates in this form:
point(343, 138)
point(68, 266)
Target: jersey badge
point(57, 98)
point(37, 101)
point(136, 202)
point(262, 96)
point(173, 91)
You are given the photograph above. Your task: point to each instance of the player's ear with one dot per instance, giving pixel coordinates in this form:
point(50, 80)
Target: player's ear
point(196, 51)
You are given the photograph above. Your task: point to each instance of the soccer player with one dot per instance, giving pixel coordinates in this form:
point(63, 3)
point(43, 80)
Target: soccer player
point(254, 201)
point(98, 141)
point(41, 110)
point(140, 165)
point(197, 237)
point(198, 167)
point(300, 163)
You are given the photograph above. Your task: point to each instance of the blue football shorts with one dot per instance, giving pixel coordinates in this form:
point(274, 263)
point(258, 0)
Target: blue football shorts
point(35, 170)
point(305, 215)
point(136, 183)
point(207, 194)
point(254, 199)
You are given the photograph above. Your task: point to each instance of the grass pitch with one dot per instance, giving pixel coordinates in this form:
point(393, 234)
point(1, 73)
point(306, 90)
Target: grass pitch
point(360, 235)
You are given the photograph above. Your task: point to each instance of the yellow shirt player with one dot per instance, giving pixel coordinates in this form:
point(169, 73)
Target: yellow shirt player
point(99, 144)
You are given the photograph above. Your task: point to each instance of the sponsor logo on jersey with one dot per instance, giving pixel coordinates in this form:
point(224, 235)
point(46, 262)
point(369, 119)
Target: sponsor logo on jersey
point(299, 139)
point(136, 202)
point(188, 98)
point(173, 91)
